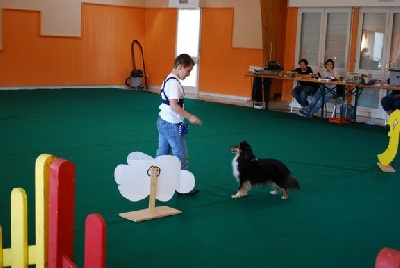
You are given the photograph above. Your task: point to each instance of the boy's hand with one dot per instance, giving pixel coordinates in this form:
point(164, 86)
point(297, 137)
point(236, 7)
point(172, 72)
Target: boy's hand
point(195, 120)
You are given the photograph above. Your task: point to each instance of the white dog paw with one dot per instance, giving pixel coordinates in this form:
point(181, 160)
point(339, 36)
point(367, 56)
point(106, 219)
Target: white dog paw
point(238, 195)
point(284, 197)
point(274, 192)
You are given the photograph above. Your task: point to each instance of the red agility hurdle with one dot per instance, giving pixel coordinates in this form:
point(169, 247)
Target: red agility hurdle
point(55, 210)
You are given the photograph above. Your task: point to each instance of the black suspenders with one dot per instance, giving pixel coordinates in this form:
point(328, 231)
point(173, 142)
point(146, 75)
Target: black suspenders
point(166, 100)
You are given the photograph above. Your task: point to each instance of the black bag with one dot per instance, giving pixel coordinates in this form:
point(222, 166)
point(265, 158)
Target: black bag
point(137, 73)
point(340, 89)
point(274, 65)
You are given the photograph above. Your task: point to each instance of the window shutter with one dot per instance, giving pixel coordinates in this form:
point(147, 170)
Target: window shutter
point(310, 37)
point(336, 36)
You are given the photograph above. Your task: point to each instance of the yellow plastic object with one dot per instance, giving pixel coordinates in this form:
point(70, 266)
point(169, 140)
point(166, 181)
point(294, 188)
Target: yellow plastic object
point(389, 154)
point(42, 178)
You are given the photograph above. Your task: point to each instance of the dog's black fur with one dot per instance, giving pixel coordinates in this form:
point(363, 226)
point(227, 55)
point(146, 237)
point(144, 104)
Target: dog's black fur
point(250, 170)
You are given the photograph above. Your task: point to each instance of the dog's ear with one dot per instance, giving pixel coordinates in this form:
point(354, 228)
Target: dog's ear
point(243, 144)
point(246, 150)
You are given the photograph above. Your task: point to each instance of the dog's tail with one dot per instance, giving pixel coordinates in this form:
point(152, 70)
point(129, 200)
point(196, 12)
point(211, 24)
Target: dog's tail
point(292, 183)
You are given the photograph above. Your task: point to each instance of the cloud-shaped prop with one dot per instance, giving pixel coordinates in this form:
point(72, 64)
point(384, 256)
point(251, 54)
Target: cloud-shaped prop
point(134, 179)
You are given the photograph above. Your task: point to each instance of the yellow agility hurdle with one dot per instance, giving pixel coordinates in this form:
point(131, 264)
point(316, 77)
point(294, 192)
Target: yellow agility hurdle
point(53, 176)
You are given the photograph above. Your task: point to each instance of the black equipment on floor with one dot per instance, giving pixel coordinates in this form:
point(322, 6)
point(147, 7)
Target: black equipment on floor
point(135, 80)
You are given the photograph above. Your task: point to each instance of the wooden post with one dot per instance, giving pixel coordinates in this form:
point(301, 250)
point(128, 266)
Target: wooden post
point(67, 263)
point(95, 241)
point(19, 229)
point(273, 20)
point(154, 171)
point(42, 178)
point(61, 211)
point(152, 212)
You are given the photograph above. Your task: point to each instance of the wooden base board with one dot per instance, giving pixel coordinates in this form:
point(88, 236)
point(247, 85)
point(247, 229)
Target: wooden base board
point(387, 168)
point(146, 214)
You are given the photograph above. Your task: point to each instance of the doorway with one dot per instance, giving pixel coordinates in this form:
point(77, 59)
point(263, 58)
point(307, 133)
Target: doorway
point(188, 42)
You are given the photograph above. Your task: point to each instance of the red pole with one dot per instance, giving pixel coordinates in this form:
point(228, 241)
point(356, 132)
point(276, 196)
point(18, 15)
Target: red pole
point(61, 211)
point(95, 241)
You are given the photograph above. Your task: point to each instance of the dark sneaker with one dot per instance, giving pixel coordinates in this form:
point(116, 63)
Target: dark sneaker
point(302, 112)
point(305, 114)
point(192, 192)
point(305, 110)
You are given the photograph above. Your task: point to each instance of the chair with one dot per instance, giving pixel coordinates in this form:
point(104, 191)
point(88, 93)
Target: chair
point(337, 99)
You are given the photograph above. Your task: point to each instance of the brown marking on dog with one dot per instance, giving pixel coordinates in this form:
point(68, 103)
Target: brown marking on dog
point(243, 190)
point(284, 196)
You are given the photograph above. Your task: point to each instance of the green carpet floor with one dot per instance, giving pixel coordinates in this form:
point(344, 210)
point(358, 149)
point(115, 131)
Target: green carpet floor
point(345, 212)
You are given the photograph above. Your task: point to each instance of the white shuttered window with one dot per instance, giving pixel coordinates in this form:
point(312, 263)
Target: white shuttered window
point(336, 44)
point(310, 33)
point(324, 34)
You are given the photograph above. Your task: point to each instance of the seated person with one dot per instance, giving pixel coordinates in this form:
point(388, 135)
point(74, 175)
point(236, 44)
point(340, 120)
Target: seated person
point(304, 89)
point(391, 101)
point(330, 91)
point(366, 61)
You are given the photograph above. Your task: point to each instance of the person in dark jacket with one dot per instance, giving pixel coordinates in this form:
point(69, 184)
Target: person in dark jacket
point(305, 88)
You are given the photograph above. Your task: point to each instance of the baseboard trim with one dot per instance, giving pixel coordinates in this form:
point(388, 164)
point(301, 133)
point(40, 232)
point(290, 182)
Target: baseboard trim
point(154, 89)
point(58, 87)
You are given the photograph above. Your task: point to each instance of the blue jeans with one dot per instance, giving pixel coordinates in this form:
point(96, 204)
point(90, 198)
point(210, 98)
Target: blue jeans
point(169, 141)
point(316, 102)
point(300, 93)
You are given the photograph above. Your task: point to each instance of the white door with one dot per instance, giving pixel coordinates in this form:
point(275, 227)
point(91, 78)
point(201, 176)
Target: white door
point(188, 42)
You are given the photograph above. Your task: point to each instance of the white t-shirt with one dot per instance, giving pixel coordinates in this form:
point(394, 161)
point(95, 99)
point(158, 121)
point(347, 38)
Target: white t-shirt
point(174, 90)
point(327, 74)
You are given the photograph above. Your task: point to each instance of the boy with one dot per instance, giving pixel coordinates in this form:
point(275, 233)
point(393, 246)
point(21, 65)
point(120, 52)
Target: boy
point(172, 113)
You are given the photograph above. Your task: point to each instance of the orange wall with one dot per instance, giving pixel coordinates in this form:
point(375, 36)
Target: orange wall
point(102, 56)
point(160, 36)
point(222, 67)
